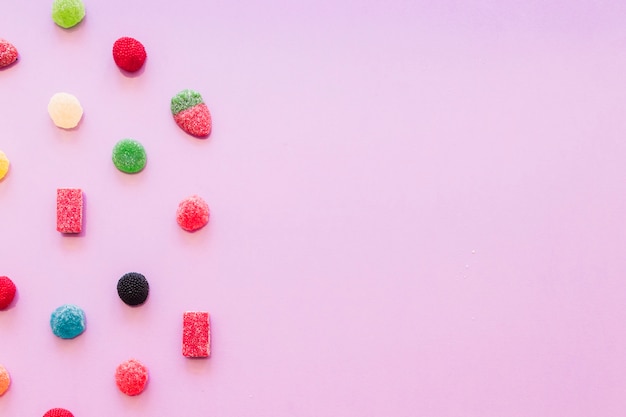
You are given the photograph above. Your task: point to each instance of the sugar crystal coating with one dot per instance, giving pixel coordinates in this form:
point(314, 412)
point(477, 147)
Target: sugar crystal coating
point(65, 110)
point(8, 53)
point(4, 164)
point(193, 213)
point(129, 54)
point(5, 380)
point(133, 288)
point(68, 13)
point(129, 156)
point(67, 321)
point(58, 412)
point(131, 377)
point(7, 292)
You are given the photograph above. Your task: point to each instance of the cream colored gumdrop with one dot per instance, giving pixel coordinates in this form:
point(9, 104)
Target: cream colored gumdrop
point(65, 110)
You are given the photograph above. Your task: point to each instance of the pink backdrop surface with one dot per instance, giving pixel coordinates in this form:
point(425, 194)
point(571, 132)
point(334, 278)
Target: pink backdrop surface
point(417, 208)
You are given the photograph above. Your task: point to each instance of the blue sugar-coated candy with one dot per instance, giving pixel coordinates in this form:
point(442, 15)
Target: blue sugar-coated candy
point(67, 321)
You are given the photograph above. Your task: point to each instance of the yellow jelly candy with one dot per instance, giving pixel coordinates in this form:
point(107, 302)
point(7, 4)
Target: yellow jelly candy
point(4, 165)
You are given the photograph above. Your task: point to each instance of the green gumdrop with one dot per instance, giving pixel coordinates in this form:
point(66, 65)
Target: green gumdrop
point(129, 156)
point(184, 100)
point(68, 13)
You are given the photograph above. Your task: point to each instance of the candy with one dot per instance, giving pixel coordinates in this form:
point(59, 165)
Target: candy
point(196, 334)
point(192, 213)
point(65, 110)
point(133, 288)
point(58, 412)
point(129, 156)
point(129, 54)
point(69, 210)
point(68, 13)
point(4, 164)
point(131, 377)
point(191, 114)
point(67, 321)
point(8, 53)
point(7, 292)
point(5, 380)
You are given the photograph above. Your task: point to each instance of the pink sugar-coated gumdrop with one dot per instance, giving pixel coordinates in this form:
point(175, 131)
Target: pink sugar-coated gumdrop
point(8, 53)
point(131, 377)
point(192, 213)
point(7, 292)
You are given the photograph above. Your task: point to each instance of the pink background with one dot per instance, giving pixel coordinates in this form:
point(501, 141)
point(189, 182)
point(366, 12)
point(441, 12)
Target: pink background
point(417, 208)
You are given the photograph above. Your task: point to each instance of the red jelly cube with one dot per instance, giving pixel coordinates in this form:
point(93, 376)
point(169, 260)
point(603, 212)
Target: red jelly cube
point(196, 334)
point(69, 210)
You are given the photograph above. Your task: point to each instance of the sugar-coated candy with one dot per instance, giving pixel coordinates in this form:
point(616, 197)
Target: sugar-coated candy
point(58, 412)
point(196, 334)
point(4, 164)
point(129, 54)
point(131, 377)
point(69, 210)
point(68, 13)
point(191, 113)
point(193, 213)
point(129, 156)
point(7, 292)
point(133, 288)
point(8, 53)
point(67, 321)
point(65, 110)
point(5, 380)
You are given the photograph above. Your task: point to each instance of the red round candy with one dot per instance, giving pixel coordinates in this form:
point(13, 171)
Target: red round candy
point(192, 213)
point(58, 412)
point(129, 54)
point(7, 292)
point(131, 377)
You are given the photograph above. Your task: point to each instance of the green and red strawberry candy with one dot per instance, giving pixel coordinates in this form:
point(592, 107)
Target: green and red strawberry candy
point(191, 114)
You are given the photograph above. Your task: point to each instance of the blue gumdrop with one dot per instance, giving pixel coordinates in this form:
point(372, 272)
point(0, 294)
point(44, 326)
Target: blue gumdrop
point(67, 321)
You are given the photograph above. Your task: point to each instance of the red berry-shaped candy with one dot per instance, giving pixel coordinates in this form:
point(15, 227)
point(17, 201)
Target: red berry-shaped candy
point(7, 292)
point(129, 54)
point(58, 412)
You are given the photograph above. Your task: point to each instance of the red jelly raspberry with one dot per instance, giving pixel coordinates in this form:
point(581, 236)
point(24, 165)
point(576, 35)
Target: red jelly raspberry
point(129, 54)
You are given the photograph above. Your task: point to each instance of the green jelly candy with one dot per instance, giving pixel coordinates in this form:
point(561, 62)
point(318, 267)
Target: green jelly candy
point(129, 156)
point(68, 13)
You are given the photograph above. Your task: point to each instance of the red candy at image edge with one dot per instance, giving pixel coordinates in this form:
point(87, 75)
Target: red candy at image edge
point(58, 412)
point(129, 54)
point(8, 53)
point(7, 292)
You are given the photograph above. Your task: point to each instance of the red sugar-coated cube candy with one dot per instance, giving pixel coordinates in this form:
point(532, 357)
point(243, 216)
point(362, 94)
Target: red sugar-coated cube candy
point(69, 210)
point(196, 334)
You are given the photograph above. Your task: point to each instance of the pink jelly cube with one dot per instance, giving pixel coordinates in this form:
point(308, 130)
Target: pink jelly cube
point(196, 334)
point(69, 210)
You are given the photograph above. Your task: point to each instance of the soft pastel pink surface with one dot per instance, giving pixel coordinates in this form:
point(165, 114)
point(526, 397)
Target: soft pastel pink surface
point(417, 208)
